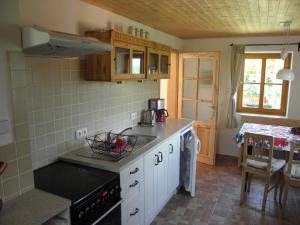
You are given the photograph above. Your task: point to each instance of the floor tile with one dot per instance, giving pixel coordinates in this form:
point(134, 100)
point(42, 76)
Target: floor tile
point(217, 201)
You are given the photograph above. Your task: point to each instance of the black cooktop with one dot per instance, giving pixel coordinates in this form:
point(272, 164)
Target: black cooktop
point(70, 180)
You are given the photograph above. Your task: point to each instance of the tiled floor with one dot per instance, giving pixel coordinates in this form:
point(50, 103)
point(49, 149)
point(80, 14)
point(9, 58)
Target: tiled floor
point(217, 201)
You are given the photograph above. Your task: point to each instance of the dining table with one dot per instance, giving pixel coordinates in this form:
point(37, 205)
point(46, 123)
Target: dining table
point(281, 134)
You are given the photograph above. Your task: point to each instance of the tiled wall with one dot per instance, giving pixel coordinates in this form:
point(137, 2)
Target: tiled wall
point(50, 101)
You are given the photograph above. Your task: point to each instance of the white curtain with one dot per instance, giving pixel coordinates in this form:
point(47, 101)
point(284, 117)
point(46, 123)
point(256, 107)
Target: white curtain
point(237, 70)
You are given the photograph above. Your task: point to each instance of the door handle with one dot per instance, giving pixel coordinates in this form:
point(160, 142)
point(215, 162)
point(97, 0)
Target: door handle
point(134, 184)
point(172, 149)
point(161, 157)
point(134, 171)
point(135, 212)
point(156, 160)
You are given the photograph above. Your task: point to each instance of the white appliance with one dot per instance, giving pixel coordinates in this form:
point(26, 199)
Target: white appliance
point(42, 42)
point(189, 150)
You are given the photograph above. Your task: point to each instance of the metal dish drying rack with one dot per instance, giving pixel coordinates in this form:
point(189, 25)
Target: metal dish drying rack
point(108, 145)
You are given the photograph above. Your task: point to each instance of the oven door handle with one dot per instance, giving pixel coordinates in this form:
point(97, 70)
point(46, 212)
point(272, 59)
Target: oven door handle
point(107, 212)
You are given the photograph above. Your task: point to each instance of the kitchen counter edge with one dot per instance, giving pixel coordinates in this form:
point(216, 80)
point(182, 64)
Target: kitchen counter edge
point(34, 207)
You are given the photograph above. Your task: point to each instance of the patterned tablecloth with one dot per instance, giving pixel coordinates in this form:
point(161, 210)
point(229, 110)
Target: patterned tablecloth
point(282, 136)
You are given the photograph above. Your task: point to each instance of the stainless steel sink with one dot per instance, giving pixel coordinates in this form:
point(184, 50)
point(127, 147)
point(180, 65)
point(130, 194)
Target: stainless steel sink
point(142, 140)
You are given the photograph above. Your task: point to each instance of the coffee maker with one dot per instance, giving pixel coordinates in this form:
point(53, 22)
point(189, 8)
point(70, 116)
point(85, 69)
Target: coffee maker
point(158, 104)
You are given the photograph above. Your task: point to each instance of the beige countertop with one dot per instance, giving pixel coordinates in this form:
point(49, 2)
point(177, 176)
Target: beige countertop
point(32, 208)
point(161, 130)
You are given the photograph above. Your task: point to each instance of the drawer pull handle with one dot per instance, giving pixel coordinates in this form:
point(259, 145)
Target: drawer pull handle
point(135, 212)
point(134, 184)
point(172, 149)
point(134, 171)
point(156, 160)
point(161, 157)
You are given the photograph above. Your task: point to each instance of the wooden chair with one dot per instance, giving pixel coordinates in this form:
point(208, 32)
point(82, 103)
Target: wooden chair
point(259, 161)
point(291, 174)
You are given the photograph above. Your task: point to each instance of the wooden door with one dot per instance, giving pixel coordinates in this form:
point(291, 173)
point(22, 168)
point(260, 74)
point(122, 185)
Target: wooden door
point(172, 86)
point(198, 98)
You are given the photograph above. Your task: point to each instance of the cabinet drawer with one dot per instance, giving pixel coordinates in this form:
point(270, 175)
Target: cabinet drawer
point(133, 211)
point(132, 180)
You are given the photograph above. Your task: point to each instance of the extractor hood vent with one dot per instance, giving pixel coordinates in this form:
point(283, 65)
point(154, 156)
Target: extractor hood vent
point(38, 41)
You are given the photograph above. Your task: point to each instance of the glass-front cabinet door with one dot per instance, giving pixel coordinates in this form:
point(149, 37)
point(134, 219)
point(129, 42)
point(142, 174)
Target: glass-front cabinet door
point(138, 62)
point(158, 64)
point(164, 64)
point(121, 61)
point(153, 63)
point(128, 61)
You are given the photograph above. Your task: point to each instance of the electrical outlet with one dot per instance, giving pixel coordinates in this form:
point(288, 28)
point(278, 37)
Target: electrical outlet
point(133, 115)
point(80, 133)
point(84, 132)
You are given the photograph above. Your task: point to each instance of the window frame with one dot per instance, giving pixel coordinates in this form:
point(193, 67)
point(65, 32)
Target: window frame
point(285, 86)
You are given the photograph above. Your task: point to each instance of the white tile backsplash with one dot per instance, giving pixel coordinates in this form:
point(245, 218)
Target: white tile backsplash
point(52, 100)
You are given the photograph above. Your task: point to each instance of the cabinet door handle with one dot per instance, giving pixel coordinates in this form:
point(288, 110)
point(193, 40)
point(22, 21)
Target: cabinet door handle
point(135, 212)
point(134, 184)
point(156, 160)
point(171, 149)
point(134, 171)
point(161, 157)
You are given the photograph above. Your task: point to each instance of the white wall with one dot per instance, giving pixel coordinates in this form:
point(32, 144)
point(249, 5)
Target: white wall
point(226, 144)
point(72, 16)
point(9, 40)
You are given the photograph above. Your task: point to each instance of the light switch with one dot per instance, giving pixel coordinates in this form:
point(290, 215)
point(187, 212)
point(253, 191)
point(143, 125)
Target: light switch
point(4, 127)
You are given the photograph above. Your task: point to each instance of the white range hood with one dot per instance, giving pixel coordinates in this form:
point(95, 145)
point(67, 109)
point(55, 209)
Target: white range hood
point(38, 41)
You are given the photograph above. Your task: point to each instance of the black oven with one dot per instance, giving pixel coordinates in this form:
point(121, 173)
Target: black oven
point(95, 193)
point(112, 218)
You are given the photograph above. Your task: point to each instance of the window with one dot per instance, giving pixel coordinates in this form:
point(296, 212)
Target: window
point(260, 92)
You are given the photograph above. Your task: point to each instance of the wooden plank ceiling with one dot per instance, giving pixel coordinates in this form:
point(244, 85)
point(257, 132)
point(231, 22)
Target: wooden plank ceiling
point(209, 18)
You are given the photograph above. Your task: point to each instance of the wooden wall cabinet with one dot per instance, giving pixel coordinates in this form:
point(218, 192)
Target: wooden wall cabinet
point(158, 64)
point(131, 58)
point(127, 61)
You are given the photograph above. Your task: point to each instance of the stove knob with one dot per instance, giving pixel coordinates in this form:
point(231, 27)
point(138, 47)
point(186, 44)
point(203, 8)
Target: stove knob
point(117, 188)
point(112, 191)
point(80, 215)
point(87, 210)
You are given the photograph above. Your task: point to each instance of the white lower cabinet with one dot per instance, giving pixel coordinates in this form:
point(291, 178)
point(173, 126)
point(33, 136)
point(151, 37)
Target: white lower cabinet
point(155, 181)
point(132, 184)
point(173, 164)
point(150, 182)
point(161, 169)
point(133, 211)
